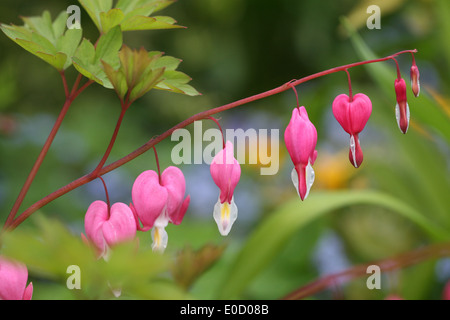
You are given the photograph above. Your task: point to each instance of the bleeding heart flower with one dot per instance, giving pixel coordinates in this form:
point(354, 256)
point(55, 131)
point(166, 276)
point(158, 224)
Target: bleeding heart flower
point(300, 137)
point(226, 172)
point(158, 201)
point(13, 281)
point(415, 81)
point(352, 115)
point(402, 107)
point(105, 228)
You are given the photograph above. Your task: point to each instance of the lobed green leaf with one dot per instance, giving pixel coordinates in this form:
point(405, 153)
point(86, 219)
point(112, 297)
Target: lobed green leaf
point(47, 40)
point(88, 59)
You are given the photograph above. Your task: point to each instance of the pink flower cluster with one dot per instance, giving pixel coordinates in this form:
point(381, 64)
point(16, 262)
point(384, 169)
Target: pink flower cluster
point(158, 200)
point(352, 113)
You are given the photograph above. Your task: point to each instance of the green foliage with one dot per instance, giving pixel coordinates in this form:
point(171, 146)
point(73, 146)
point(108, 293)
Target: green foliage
point(88, 58)
point(47, 40)
point(191, 264)
point(140, 71)
point(231, 54)
point(51, 248)
point(59, 47)
point(131, 15)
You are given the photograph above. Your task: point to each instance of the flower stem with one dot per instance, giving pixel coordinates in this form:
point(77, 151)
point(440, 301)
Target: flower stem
point(220, 128)
point(399, 262)
point(399, 75)
point(296, 94)
point(95, 172)
point(157, 164)
point(350, 93)
point(100, 170)
point(69, 99)
point(108, 203)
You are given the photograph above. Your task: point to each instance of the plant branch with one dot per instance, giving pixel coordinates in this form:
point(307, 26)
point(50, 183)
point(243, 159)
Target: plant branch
point(199, 116)
point(69, 99)
point(97, 169)
point(434, 251)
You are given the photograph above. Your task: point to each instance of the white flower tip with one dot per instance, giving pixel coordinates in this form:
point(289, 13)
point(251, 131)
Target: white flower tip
point(225, 214)
point(353, 150)
point(309, 177)
point(399, 119)
point(160, 239)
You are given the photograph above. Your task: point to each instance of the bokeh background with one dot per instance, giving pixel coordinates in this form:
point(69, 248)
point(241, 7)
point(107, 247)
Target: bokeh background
point(233, 49)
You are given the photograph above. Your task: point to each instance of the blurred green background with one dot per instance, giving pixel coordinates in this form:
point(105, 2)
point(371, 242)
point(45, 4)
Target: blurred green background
point(233, 49)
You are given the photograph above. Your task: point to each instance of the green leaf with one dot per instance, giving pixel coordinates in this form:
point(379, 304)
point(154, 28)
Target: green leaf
point(130, 15)
point(176, 81)
point(149, 80)
point(265, 243)
point(68, 44)
point(190, 264)
point(111, 19)
point(143, 7)
point(46, 39)
point(140, 71)
point(108, 47)
point(149, 23)
point(88, 59)
point(117, 79)
point(94, 8)
point(50, 248)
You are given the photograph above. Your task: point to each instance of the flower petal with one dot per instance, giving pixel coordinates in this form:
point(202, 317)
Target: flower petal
point(173, 180)
point(355, 153)
point(121, 225)
point(13, 279)
point(28, 293)
point(95, 217)
point(225, 214)
point(226, 172)
point(300, 137)
point(149, 197)
point(303, 179)
point(160, 239)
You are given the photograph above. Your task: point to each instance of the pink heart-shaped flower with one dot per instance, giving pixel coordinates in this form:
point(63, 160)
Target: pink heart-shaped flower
point(13, 281)
point(105, 228)
point(352, 115)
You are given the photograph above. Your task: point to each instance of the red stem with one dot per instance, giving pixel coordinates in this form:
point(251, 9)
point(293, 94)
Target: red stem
point(407, 259)
point(157, 164)
point(350, 93)
point(111, 144)
point(69, 99)
point(199, 116)
point(399, 75)
point(108, 203)
point(220, 128)
point(66, 89)
point(296, 95)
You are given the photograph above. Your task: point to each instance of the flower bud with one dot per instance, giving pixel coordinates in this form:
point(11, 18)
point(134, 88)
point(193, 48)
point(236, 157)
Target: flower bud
point(401, 108)
point(226, 172)
point(415, 82)
point(300, 137)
